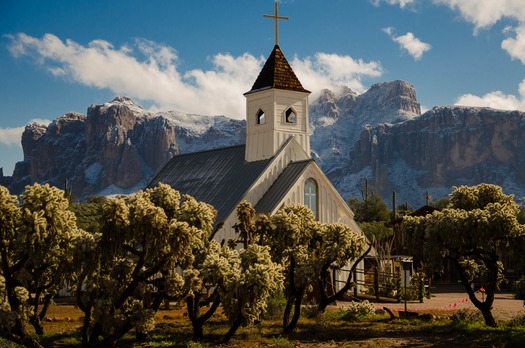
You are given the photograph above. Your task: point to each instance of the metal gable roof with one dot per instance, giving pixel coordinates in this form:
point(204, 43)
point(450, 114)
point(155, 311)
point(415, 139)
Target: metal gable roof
point(281, 186)
point(219, 177)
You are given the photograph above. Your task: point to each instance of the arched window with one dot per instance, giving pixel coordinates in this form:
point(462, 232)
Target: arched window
point(310, 196)
point(291, 116)
point(261, 118)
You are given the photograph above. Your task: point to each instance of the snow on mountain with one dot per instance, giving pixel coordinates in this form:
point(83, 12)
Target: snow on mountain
point(337, 121)
point(445, 147)
point(378, 135)
point(116, 148)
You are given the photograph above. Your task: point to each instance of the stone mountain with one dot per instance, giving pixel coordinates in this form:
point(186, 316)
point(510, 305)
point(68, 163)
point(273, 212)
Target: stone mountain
point(445, 147)
point(116, 148)
point(378, 135)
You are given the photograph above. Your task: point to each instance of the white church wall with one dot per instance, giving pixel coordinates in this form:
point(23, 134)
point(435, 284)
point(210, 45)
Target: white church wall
point(264, 140)
point(331, 208)
point(260, 137)
point(227, 232)
point(300, 129)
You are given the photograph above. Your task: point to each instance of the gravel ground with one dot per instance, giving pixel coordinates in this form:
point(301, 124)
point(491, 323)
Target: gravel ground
point(454, 297)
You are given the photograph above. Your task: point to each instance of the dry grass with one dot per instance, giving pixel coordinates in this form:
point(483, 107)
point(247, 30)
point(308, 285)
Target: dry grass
point(173, 329)
point(65, 317)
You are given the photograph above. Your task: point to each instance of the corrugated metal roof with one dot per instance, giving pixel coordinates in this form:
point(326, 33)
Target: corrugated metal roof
point(277, 73)
point(281, 186)
point(219, 177)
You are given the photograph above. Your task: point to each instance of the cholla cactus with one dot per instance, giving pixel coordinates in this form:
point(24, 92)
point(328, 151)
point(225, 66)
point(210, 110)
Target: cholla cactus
point(306, 249)
point(246, 279)
point(469, 233)
point(37, 239)
point(147, 251)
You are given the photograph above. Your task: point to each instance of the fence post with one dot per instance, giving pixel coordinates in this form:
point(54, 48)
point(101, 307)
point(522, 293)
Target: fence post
point(376, 282)
point(421, 289)
point(399, 288)
point(355, 282)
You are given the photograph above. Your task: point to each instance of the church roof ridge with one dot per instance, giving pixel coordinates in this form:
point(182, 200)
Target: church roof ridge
point(209, 150)
point(277, 73)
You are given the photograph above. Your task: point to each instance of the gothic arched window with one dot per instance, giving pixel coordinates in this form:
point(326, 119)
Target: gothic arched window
point(261, 117)
point(311, 196)
point(291, 116)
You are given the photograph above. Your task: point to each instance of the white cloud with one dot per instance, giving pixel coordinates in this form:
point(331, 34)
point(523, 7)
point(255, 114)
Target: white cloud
point(326, 70)
point(389, 31)
point(153, 77)
point(13, 136)
point(486, 13)
point(414, 46)
point(156, 77)
point(516, 46)
point(496, 100)
point(401, 3)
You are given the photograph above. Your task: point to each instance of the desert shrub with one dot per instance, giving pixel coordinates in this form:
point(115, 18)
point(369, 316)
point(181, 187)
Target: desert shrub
point(465, 316)
point(357, 310)
point(89, 214)
point(192, 344)
point(411, 294)
point(518, 320)
point(281, 342)
point(8, 344)
point(275, 305)
point(519, 288)
point(310, 310)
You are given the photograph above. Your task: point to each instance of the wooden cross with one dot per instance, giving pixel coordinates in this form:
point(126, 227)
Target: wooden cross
point(276, 17)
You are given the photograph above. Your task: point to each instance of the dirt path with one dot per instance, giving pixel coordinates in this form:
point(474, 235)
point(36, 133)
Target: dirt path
point(454, 297)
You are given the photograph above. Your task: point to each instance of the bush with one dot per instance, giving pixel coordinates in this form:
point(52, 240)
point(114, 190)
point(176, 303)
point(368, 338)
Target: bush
point(519, 288)
point(357, 310)
point(517, 321)
point(275, 305)
point(8, 344)
point(310, 310)
point(281, 342)
point(465, 316)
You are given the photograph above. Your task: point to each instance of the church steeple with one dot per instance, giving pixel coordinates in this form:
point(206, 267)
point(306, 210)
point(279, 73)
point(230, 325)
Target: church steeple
point(276, 107)
point(277, 73)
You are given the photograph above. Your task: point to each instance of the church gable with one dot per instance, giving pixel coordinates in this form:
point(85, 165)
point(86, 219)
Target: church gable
point(291, 151)
point(280, 188)
point(304, 182)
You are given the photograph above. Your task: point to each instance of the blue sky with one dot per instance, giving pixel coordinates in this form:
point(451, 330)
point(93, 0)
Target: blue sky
point(199, 56)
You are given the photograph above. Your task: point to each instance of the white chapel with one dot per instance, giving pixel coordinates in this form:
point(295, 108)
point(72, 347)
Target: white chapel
point(274, 168)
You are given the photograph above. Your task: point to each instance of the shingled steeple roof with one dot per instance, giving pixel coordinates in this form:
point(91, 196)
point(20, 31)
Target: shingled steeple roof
point(277, 73)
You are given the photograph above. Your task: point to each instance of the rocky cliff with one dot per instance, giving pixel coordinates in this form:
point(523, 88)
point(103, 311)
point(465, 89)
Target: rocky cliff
point(378, 135)
point(116, 148)
point(445, 147)
point(338, 119)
